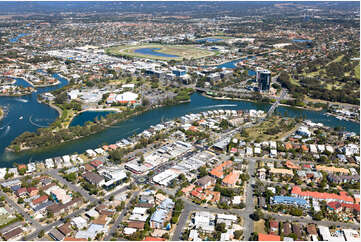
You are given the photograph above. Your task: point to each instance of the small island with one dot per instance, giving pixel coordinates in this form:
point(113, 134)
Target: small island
point(1, 113)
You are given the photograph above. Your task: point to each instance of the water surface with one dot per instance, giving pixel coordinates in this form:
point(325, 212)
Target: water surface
point(151, 51)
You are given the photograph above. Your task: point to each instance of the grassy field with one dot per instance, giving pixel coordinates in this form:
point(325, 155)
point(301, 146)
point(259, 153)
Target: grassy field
point(259, 227)
point(273, 128)
point(181, 51)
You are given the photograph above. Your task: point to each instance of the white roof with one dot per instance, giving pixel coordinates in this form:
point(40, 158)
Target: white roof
point(79, 222)
point(227, 217)
point(126, 97)
point(129, 231)
point(139, 210)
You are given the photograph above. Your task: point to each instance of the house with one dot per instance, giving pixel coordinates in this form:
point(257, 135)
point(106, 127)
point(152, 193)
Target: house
point(273, 226)
point(21, 192)
point(148, 238)
point(41, 199)
point(268, 237)
point(136, 224)
point(343, 178)
point(139, 214)
point(311, 229)
point(298, 230)
point(79, 222)
point(291, 165)
point(93, 178)
point(56, 235)
point(65, 229)
point(228, 219)
point(328, 197)
point(163, 213)
point(13, 234)
point(280, 171)
point(231, 179)
point(22, 167)
point(96, 163)
point(204, 220)
point(287, 229)
point(32, 191)
point(289, 201)
point(332, 169)
point(206, 182)
point(91, 232)
point(217, 172)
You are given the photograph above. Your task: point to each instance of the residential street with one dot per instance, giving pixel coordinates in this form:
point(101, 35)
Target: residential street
point(119, 219)
point(20, 210)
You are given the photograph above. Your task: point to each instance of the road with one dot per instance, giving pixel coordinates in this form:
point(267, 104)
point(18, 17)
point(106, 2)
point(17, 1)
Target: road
point(248, 223)
point(20, 210)
point(177, 235)
point(119, 219)
point(54, 173)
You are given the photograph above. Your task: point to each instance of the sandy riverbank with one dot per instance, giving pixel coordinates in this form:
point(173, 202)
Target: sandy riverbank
point(1, 113)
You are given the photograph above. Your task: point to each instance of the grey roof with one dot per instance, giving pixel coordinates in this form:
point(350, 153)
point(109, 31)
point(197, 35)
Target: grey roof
point(56, 235)
point(11, 227)
point(204, 180)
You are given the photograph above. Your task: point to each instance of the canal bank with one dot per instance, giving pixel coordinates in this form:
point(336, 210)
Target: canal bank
point(138, 123)
point(42, 115)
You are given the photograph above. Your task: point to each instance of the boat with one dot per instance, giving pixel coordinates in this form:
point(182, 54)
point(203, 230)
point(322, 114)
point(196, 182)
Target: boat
point(21, 117)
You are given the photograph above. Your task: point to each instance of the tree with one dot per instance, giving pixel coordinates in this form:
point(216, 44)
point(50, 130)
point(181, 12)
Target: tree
point(296, 212)
point(318, 216)
point(237, 234)
point(257, 215)
point(20, 200)
point(221, 227)
point(41, 234)
point(202, 172)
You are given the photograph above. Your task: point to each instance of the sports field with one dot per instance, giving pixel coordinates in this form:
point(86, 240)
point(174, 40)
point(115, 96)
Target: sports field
point(161, 52)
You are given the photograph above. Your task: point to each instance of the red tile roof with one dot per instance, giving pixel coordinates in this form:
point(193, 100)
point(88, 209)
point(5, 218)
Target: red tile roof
point(268, 237)
point(148, 238)
point(322, 195)
point(96, 163)
point(39, 200)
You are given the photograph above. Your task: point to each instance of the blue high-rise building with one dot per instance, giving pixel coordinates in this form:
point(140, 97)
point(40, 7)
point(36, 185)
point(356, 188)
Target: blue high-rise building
point(263, 78)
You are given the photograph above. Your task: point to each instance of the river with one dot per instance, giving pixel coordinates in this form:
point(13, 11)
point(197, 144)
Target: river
point(42, 115)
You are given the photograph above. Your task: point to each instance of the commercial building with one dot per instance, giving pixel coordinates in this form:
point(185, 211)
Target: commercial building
point(263, 78)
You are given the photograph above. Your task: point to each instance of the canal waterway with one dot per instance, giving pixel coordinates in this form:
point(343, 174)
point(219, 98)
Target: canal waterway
point(86, 116)
point(15, 39)
point(35, 115)
point(151, 51)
